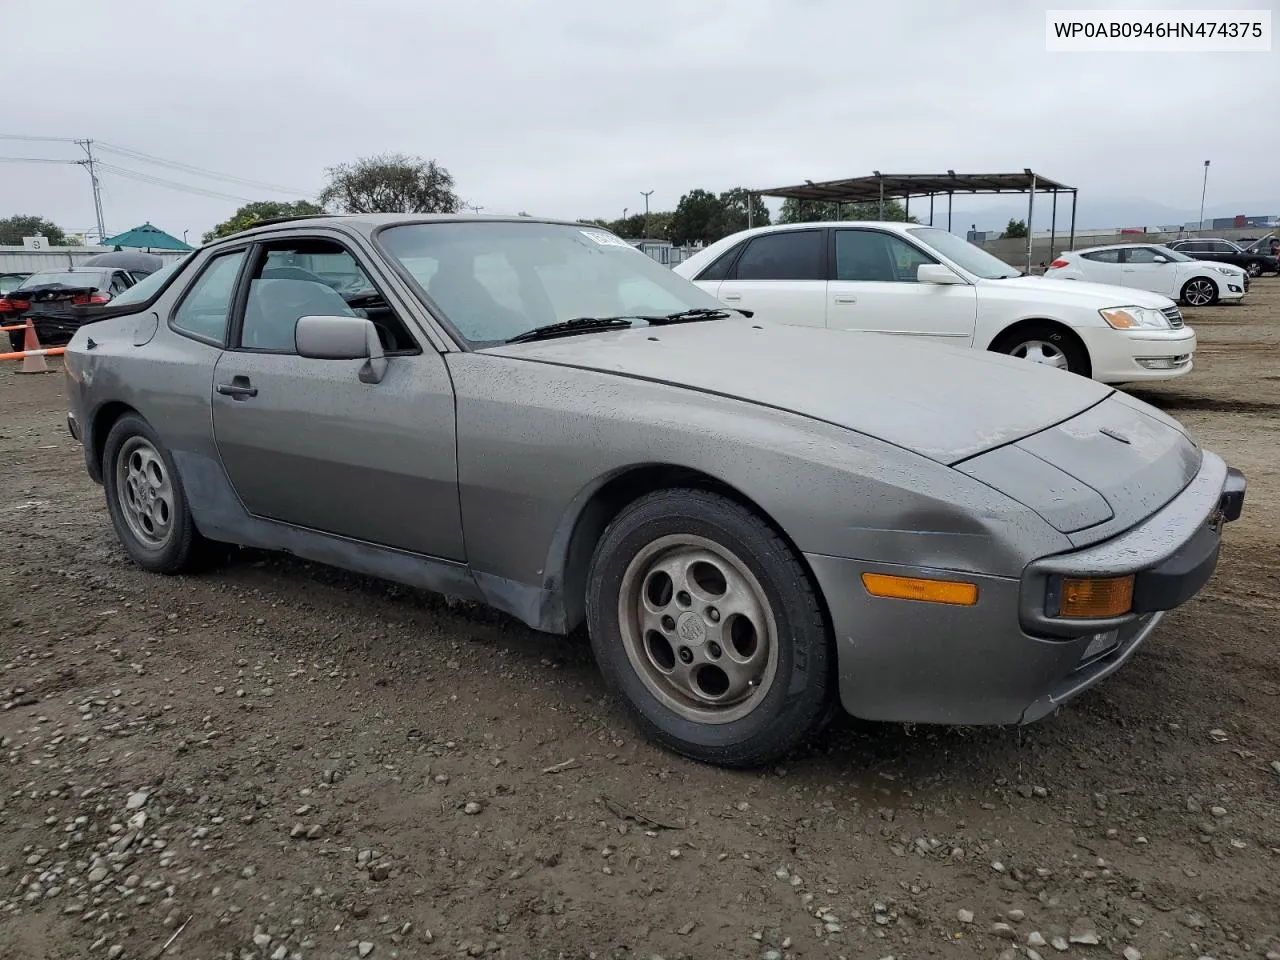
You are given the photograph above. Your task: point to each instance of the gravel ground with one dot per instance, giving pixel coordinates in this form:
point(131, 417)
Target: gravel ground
point(275, 760)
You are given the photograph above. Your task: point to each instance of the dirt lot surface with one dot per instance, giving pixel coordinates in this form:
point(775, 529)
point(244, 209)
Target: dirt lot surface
point(276, 760)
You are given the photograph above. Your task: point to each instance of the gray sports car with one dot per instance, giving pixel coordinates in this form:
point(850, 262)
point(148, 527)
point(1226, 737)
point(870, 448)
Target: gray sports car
point(757, 524)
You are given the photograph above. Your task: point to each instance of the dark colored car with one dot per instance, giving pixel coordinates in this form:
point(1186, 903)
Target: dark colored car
point(59, 302)
point(1224, 251)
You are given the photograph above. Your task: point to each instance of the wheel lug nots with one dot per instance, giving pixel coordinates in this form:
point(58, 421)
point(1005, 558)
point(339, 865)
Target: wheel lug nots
point(686, 655)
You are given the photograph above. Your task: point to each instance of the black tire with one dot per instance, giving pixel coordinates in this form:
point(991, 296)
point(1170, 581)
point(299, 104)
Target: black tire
point(184, 550)
point(801, 691)
point(1188, 292)
point(1014, 342)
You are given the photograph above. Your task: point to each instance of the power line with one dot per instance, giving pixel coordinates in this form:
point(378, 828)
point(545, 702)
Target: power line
point(34, 160)
point(200, 171)
point(176, 165)
point(22, 136)
point(171, 184)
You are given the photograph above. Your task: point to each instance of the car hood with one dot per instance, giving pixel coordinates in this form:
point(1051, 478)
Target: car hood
point(942, 402)
point(1082, 292)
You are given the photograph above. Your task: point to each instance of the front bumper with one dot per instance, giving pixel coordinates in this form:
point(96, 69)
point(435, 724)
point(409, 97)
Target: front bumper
point(1003, 660)
point(1130, 356)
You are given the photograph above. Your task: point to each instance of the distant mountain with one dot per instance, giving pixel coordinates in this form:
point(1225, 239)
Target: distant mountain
point(1092, 213)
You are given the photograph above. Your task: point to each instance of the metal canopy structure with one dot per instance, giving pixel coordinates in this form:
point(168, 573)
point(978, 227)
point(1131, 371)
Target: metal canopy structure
point(883, 186)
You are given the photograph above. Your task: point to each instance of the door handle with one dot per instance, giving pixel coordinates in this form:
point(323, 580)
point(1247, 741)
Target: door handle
point(732, 297)
point(238, 389)
point(846, 299)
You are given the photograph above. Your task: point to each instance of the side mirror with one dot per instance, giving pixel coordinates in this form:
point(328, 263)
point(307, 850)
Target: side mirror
point(342, 338)
point(1159, 259)
point(937, 273)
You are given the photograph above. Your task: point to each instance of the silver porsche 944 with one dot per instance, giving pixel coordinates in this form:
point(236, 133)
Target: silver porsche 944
point(757, 524)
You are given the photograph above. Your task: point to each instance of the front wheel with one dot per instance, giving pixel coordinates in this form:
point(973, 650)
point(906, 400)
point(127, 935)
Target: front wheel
point(1253, 268)
point(1046, 344)
point(1199, 292)
point(705, 623)
point(146, 501)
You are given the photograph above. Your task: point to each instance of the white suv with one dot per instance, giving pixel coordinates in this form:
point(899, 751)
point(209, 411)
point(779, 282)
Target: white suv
point(921, 281)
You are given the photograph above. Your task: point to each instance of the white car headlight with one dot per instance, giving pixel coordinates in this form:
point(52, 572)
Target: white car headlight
point(1228, 270)
point(1134, 318)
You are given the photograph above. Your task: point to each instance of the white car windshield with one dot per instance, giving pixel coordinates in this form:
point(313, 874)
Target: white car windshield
point(964, 254)
point(495, 280)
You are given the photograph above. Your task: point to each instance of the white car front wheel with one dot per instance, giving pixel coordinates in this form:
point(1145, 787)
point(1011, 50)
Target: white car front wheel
point(1199, 292)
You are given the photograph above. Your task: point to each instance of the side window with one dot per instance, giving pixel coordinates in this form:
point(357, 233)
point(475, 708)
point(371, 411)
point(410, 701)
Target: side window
point(1141, 255)
point(119, 284)
point(1219, 246)
point(880, 257)
point(786, 255)
point(313, 277)
point(719, 268)
point(203, 311)
point(1103, 256)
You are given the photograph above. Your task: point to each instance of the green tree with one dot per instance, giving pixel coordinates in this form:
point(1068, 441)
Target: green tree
point(735, 204)
point(806, 211)
point(13, 229)
point(1015, 228)
point(390, 183)
point(252, 213)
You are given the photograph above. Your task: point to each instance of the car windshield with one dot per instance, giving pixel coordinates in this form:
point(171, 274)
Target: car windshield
point(1172, 254)
point(964, 254)
point(494, 280)
point(146, 288)
point(67, 278)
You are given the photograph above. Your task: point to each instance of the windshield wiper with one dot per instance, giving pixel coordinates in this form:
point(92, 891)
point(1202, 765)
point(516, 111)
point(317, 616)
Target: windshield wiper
point(567, 328)
point(689, 316)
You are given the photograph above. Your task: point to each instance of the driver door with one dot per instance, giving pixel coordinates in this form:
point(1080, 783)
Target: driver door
point(304, 441)
point(1140, 269)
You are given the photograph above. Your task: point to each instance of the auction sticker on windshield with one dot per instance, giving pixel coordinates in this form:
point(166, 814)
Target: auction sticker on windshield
point(605, 239)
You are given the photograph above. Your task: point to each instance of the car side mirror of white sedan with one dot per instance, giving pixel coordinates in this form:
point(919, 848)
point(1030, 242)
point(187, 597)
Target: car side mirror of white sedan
point(1159, 259)
point(342, 338)
point(937, 273)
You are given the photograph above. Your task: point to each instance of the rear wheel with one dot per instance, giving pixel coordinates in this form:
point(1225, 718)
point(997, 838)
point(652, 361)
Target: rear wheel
point(1047, 344)
point(704, 622)
point(1199, 292)
point(146, 501)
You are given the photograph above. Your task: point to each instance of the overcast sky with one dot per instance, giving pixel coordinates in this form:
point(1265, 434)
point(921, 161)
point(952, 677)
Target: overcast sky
point(571, 108)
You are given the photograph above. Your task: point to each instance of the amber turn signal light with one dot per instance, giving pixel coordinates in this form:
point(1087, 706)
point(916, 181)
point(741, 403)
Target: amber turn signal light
point(918, 588)
point(1092, 598)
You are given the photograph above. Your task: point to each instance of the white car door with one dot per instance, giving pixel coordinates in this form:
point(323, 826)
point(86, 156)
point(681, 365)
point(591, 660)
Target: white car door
point(781, 277)
point(874, 289)
point(1140, 269)
point(1101, 266)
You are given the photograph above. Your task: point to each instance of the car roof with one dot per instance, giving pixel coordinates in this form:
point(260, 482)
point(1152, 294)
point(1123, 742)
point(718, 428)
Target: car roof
point(1117, 246)
point(368, 222)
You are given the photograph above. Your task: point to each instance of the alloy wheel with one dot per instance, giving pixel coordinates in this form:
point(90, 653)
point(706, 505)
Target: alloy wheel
point(698, 629)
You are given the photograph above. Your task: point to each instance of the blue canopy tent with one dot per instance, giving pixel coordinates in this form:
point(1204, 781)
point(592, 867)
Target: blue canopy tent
point(146, 237)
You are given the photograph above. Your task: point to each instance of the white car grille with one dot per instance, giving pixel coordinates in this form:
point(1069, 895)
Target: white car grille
point(1174, 316)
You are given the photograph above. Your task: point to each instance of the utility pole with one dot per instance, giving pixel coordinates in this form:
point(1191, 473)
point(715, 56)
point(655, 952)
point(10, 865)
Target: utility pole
point(646, 194)
point(473, 207)
point(1203, 189)
point(90, 165)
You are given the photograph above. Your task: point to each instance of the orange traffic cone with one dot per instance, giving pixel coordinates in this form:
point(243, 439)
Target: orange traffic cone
point(32, 362)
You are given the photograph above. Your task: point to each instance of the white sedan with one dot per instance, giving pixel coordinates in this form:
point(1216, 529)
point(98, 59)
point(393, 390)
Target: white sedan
point(1149, 266)
point(920, 281)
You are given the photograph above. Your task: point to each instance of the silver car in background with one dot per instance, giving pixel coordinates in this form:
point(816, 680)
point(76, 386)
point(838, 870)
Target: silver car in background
point(757, 524)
